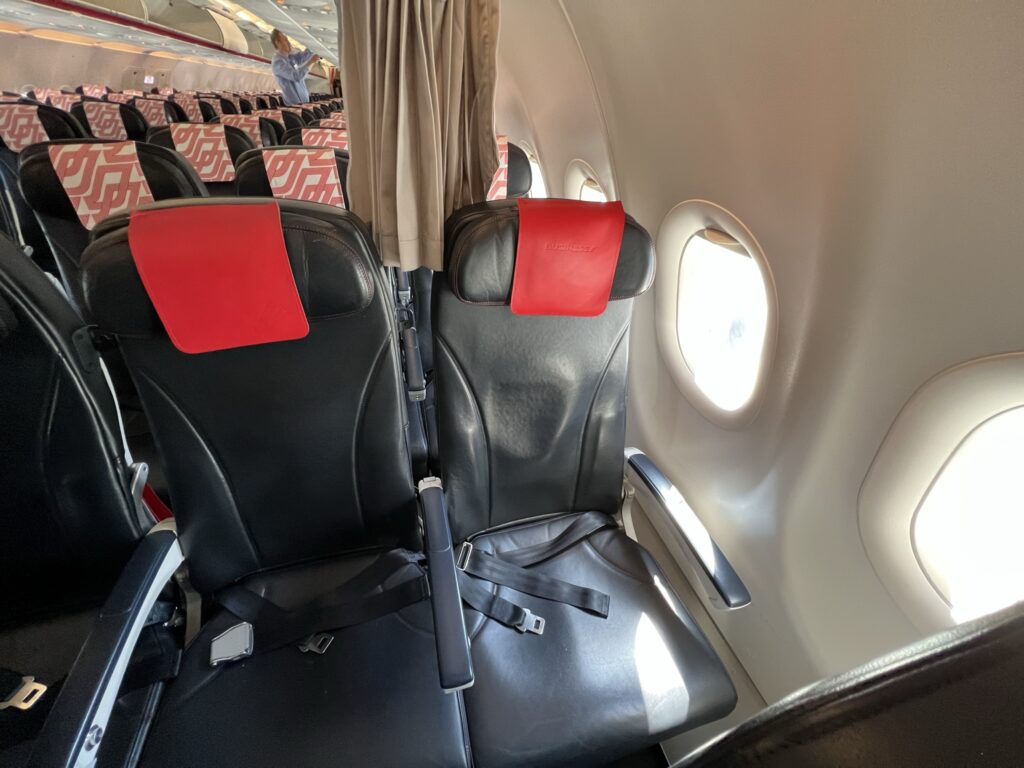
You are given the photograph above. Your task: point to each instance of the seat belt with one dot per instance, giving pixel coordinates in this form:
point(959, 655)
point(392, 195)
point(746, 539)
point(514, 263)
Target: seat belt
point(265, 626)
point(511, 569)
point(24, 705)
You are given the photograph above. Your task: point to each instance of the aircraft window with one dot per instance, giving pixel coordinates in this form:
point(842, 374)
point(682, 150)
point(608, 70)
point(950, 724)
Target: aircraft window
point(537, 187)
point(590, 191)
point(968, 529)
point(722, 318)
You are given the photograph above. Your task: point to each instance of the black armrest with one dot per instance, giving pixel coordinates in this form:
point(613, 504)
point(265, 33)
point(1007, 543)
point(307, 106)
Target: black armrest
point(75, 726)
point(453, 658)
point(717, 572)
point(415, 380)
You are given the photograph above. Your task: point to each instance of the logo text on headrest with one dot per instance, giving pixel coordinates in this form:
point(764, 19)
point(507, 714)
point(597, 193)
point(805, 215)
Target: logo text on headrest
point(573, 247)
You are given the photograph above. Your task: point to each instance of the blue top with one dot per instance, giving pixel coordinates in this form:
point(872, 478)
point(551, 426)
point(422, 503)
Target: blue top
point(290, 71)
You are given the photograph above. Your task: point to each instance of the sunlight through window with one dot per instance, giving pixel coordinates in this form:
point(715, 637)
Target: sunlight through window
point(591, 192)
point(968, 530)
point(537, 186)
point(723, 318)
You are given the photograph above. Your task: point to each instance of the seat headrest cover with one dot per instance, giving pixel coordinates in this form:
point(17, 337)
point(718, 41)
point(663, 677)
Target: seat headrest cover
point(334, 122)
point(302, 173)
point(153, 111)
point(64, 100)
point(296, 110)
point(248, 123)
point(191, 107)
point(215, 104)
point(20, 126)
point(206, 149)
point(44, 94)
point(120, 98)
point(100, 179)
point(499, 184)
point(270, 114)
point(482, 246)
point(325, 137)
point(223, 281)
point(94, 91)
point(566, 257)
point(104, 120)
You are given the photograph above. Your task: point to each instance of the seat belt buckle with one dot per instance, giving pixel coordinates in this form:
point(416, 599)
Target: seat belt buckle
point(317, 643)
point(465, 553)
point(27, 694)
point(232, 644)
point(531, 623)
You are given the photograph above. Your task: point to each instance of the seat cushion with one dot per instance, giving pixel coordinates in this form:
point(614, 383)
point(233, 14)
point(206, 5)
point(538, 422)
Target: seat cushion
point(589, 690)
point(374, 697)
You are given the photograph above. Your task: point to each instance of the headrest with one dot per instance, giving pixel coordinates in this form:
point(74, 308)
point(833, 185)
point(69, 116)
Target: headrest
point(100, 179)
point(20, 126)
point(92, 91)
point(328, 250)
point(270, 114)
point(64, 100)
point(223, 281)
point(250, 124)
point(482, 242)
point(153, 111)
point(120, 98)
point(191, 107)
point(214, 104)
point(104, 119)
point(334, 122)
point(520, 175)
point(325, 137)
point(206, 149)
point(300, 173)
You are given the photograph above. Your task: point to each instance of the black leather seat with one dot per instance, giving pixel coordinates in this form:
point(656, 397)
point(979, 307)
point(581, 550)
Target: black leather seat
point(952, 699)
point(167, 176)
point(19, 222)
point(289, 475)
point(531, 417)
point(68, 518)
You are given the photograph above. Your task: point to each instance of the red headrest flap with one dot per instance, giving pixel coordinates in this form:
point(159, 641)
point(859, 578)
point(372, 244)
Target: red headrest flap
point(223, 280)
point(566, 257)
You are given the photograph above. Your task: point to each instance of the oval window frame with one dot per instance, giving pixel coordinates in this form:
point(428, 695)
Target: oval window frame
point(683, 222)
point(578, 173)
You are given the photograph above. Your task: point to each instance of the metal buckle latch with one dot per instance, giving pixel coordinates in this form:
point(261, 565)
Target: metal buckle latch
point(465, 552)
point(26, 696)
point(317, 643)
point(531, 623)
point(232, 644)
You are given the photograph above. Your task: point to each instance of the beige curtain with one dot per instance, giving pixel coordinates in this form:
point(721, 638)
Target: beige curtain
point(418, 78)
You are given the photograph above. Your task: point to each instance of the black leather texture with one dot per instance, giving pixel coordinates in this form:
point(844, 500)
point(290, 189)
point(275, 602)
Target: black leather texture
point(67, 517)
point(520, 175)
point(480, 255)
point(952, 699)
point(373, 699)
point(166, 172)
point(238, 142)
point(589, 690)
point(251, 174)
point(284, 453)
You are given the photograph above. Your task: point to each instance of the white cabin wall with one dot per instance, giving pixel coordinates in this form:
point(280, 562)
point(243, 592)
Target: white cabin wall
point(874, 149)
point(30, 60)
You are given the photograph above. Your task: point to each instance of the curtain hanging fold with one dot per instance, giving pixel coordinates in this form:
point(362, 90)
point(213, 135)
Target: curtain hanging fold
point(419, 81)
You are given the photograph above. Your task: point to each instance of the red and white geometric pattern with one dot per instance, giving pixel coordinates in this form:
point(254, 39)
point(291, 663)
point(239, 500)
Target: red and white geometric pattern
point(499, 184)
point(233, 99)
point(296, 110)
point(248, 123)
point(206, 149)
point(153, 111)
point(95, 91)
point(8, 99)
point(215, 103)
point(270, 114)
point(325, 137)
point(334, 122)
point(64, 100)
point(44, 94)
point(100, 179)
point(120, 98)
point(104, 120)
point(20, 126)
point(191, 107)
point(304, 174)
point(166, 91)
point(137, 94)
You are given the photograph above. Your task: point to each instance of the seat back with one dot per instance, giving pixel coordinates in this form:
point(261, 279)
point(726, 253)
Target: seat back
point(22, 125)
point(531, 408)
point(951, 699)
point(109, 120)
point(276, 453)
point(213, 151)
point(313, 174)
point(157, 112)
point(316, 136)
point(68, 520)
point(263, 131)
point(93, 180)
